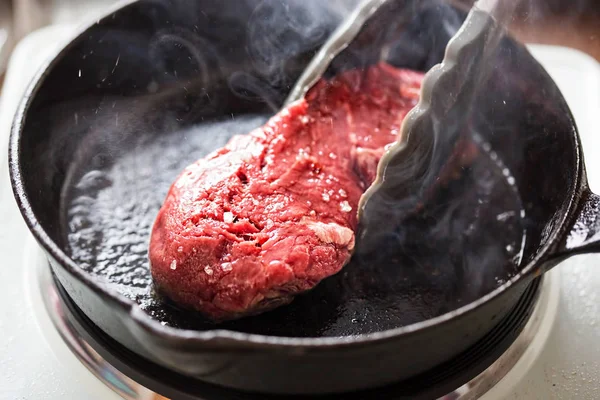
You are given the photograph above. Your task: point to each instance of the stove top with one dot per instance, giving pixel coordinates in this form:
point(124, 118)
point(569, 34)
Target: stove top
point(561, 359)
point(469, 375)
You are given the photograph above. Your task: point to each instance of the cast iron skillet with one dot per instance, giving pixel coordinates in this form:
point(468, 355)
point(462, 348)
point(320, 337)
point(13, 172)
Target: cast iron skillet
point(110, 121)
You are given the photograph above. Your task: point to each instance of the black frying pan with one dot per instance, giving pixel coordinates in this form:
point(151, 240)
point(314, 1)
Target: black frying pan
point(112, 119)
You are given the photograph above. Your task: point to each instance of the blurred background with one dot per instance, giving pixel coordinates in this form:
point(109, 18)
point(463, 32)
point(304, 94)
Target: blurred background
point(572, 23)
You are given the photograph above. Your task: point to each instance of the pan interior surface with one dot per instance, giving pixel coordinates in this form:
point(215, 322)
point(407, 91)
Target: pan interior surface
point(110, 208)
point(121, 173)
point(149, 98)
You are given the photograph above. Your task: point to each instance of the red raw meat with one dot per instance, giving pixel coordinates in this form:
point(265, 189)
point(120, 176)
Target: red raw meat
point(273, 213)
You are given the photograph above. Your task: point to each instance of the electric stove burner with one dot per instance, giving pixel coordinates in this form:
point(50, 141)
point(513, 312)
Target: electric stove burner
point(468, 376)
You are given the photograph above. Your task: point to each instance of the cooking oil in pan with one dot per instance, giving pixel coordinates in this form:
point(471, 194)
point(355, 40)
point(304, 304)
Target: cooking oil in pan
point(110, 211)
point(110, 206)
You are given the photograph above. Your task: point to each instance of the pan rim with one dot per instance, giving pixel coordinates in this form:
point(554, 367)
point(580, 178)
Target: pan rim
point(226, 338)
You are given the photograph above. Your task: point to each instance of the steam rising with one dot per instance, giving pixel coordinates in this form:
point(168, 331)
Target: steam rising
point(276, 34)
point(445, 201)
point(220, 69)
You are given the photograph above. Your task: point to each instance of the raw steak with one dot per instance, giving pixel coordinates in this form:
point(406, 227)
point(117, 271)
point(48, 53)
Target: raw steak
point(273, 213)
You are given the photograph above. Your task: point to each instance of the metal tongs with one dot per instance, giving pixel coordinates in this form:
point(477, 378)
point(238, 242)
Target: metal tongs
point(448, 90)
point(484, 24)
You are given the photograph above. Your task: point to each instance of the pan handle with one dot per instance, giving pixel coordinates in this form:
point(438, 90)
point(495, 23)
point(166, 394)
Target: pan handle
point(584, 234)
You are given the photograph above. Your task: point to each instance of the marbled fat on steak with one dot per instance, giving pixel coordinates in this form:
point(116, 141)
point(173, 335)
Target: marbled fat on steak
point(273, 213)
